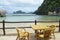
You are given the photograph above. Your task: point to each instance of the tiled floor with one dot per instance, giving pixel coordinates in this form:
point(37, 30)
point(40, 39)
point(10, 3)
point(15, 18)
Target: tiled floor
point(13, 37)
point(11, 34)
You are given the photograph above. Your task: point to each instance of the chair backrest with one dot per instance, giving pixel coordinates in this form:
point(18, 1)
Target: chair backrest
point(53, 27)
point(47, 33)
point(22, 30)
point(19, 30)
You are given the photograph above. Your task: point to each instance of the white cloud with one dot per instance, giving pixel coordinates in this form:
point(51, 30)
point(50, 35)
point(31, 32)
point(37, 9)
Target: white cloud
point(34, 2)
point(22, 1)
point(10, 2)
point(31, 1)
point(5, 2)
point(25, 5)
point(28, 1)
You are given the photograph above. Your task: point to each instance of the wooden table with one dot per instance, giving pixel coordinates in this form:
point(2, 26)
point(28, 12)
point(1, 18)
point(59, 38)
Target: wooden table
point(39, 27)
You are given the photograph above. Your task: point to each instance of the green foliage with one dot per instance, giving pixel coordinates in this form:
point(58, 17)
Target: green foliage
point(48, 5)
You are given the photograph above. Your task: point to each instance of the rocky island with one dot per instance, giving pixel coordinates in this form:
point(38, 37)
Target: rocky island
point(2, 13)
point(49, 7)
point(19, 12)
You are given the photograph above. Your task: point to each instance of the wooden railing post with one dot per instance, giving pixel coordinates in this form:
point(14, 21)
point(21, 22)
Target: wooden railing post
point(35, 22)
point(59, 25)
point(4, 27)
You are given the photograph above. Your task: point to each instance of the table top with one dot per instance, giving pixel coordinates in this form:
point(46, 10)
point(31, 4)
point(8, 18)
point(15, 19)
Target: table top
point(39, 27)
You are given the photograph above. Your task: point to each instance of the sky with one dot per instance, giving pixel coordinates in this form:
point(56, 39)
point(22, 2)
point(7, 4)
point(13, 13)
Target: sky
point(24, 5)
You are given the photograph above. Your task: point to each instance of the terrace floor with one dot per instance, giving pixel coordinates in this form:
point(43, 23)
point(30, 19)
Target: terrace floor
point(13, 37)
point(11, 34)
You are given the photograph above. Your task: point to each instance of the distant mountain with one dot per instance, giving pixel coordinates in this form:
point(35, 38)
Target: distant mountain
point(30, 12)
point(19, 12)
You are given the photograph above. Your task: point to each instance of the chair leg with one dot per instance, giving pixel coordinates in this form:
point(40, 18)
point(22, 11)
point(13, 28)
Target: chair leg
point(27, 38)
point(17, 38)
point(54, 35)
point(37, 38)
point(20, 38)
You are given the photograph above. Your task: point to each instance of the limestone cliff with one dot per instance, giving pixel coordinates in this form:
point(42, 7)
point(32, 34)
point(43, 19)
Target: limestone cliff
point(48, 5)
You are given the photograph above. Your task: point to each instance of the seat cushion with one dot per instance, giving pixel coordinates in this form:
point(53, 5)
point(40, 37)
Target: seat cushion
point(22, 34)
point(42, 36)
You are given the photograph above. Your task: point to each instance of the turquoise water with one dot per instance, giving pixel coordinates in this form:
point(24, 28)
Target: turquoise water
point(30, 17)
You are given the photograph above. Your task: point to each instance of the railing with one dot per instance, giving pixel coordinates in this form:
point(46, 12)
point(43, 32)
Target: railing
point(3, 22)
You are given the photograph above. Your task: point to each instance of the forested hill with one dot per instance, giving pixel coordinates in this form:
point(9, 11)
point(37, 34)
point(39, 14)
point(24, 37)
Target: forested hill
point(48, 5)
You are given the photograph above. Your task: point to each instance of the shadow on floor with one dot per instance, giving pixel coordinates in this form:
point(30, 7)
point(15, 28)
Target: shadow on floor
point(31, 36)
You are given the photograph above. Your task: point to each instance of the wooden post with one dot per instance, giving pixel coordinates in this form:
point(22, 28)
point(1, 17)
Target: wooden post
point(4, 27)
point(59, 25)
point(35, 22)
